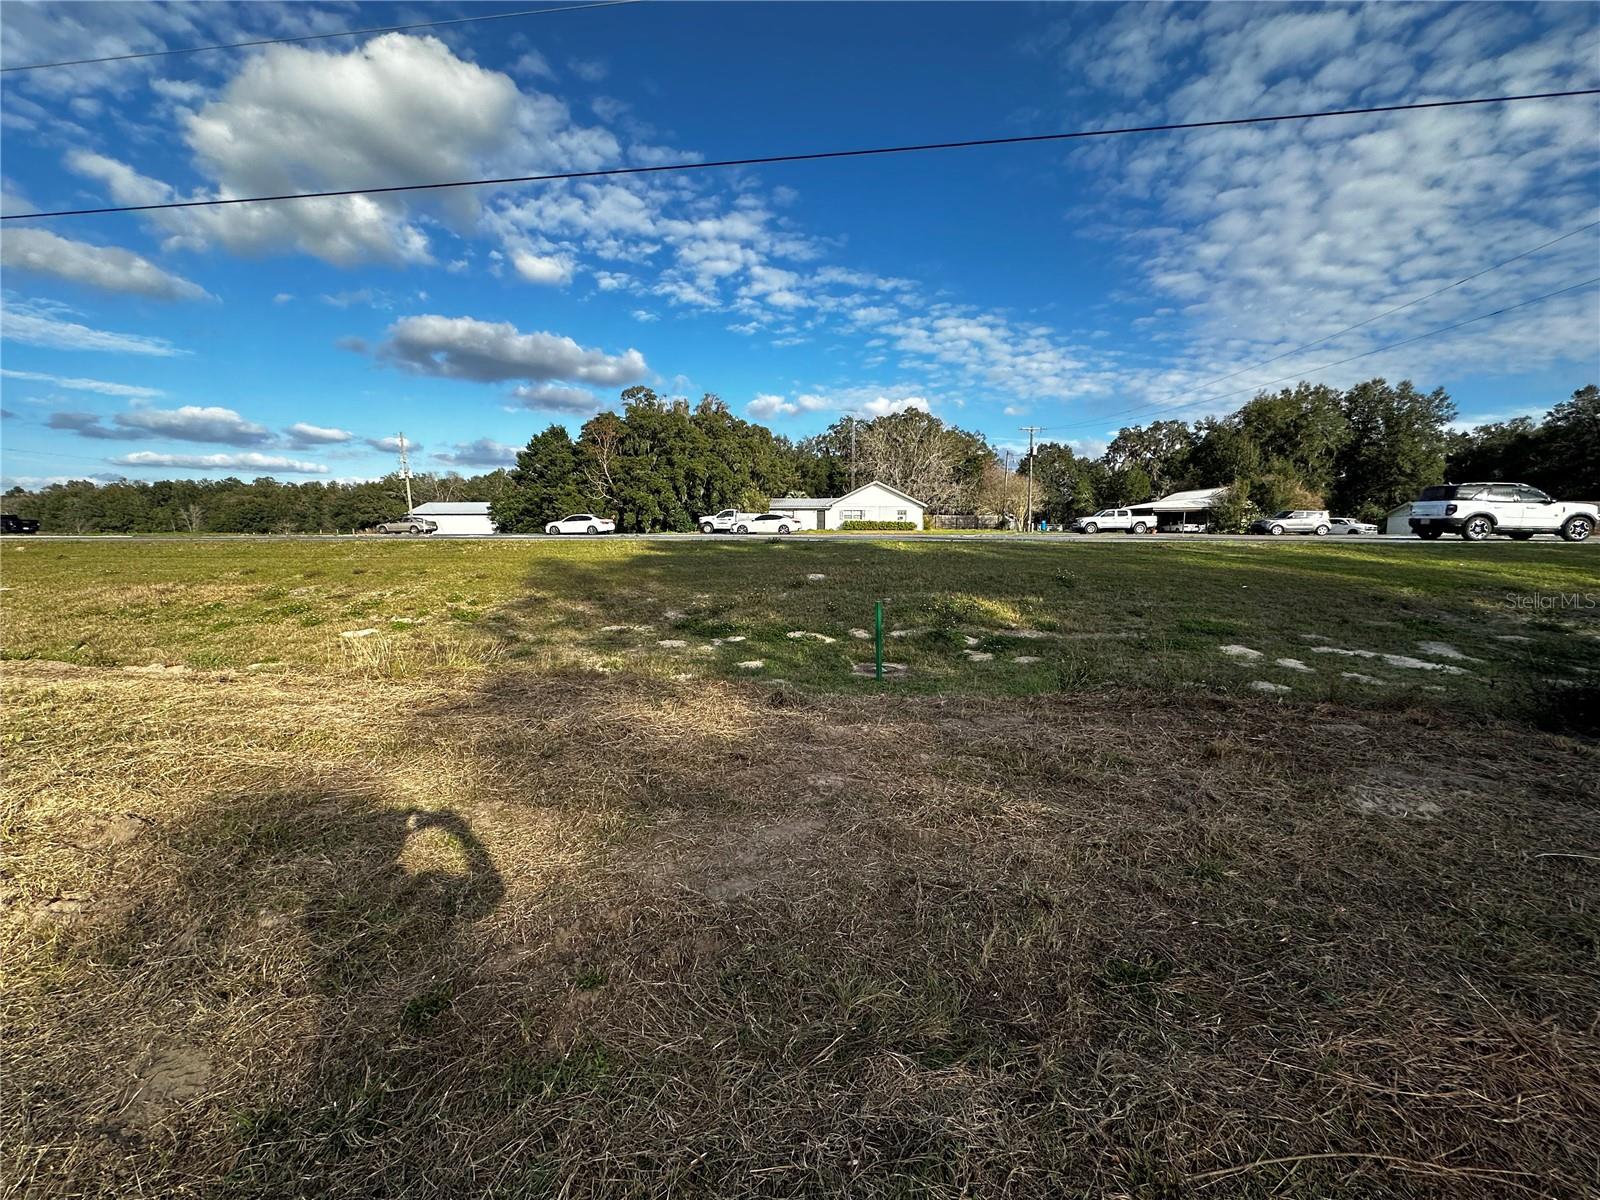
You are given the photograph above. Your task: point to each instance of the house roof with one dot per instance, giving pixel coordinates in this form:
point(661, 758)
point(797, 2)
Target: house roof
point(885, 487)
point(442, 508)
point(1192, 501)
point(814, 502)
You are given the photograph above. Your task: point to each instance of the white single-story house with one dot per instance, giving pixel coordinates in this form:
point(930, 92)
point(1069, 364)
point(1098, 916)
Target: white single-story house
point(1397, 520)
point(870, 502)
point(1181, 508)
point(464, 518)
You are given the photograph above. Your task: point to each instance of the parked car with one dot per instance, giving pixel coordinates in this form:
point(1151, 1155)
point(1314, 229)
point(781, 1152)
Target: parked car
point(1115, 518)
point(581, 523)
point(14, 524)
point(769, 523)
point(1295, 520)
point(408, 525)
point(726, 521)
point(1351, 525)
point(1477, 510)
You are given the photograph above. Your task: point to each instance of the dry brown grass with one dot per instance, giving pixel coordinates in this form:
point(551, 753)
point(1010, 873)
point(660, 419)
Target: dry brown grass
point(575, 935)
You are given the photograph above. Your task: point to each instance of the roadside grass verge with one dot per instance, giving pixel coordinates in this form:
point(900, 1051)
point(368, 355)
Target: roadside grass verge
point(980, 618)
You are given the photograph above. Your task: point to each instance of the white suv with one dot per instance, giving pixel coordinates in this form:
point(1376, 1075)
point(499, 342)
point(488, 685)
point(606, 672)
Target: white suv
point(1297, 520)
point(1476, 510)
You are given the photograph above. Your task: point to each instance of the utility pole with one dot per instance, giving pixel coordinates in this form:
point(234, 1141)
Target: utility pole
point(1005, 489)
point(1030, 430)
point(405, 472)
point(852, 453)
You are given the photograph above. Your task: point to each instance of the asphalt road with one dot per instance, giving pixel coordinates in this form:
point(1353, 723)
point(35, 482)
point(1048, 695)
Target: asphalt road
point(1061, 539)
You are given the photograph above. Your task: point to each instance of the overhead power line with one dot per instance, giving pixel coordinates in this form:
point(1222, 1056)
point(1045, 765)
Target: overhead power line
point(1364, 354)
point(1165, 405)
point(816, 156)
point(313, 37)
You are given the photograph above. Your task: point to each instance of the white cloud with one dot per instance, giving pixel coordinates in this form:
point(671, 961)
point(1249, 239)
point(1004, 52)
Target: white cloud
point(644, 316)
point(85, 385)
point(532, 64)
point(39, 324)
point(485, 452)
point(394, 109)
point(552, 269)
point(765, 407)
point(861, 401)
point(464, 348)
point(193, 423)
point(186, 424)
point(89, 425)
point(179, 91)
point(220, 462)
point(391, 445)
point(109, 268)
point(357, 298)
point(304, 434)
point(882, 406)
point(590, 70)
point(1265, 238)
point(548, 397)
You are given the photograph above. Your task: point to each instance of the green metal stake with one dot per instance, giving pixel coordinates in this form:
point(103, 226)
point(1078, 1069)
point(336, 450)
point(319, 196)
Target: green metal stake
point(878, 622)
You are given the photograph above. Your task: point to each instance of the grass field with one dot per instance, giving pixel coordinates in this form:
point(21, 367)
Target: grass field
point(508, 898)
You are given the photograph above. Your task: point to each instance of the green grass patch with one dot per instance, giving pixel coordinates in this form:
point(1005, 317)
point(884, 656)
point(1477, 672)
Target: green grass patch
point(1149, 615)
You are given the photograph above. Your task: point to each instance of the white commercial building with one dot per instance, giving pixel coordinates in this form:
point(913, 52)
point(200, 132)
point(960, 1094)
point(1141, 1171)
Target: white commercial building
point(871, 502)
point(464, 518)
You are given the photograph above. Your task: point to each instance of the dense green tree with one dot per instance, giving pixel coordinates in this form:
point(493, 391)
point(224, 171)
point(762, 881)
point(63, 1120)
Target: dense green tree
point(545, 484)
point(1161, 450)
point(1063, 483)
point(1222, 452)
point(1127, 485)
point(1298, 432)
point(1394, 446)
point(1233, 511)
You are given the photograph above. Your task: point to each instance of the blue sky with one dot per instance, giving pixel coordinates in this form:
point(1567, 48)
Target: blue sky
point(1078, 288)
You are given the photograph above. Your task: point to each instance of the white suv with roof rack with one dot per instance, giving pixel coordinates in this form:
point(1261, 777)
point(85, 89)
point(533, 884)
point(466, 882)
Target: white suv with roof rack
point(1477, 510)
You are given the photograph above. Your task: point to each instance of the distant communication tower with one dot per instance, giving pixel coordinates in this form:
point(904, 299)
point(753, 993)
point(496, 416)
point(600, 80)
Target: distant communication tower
point(405, 471)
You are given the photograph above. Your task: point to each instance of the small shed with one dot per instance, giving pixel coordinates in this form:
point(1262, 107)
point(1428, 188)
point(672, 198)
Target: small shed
point(1397, 520)
point(457, 518)
point(873, 501)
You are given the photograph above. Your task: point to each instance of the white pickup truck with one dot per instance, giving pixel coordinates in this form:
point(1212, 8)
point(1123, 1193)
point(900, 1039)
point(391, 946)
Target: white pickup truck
point(1127, 519)
point(1477, 510)
point(726, 521)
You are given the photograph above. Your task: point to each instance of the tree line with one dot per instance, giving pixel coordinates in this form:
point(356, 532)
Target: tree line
point(656, 464)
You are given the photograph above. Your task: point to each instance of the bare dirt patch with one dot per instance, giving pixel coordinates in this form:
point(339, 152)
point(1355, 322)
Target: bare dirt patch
point(164, 1081)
